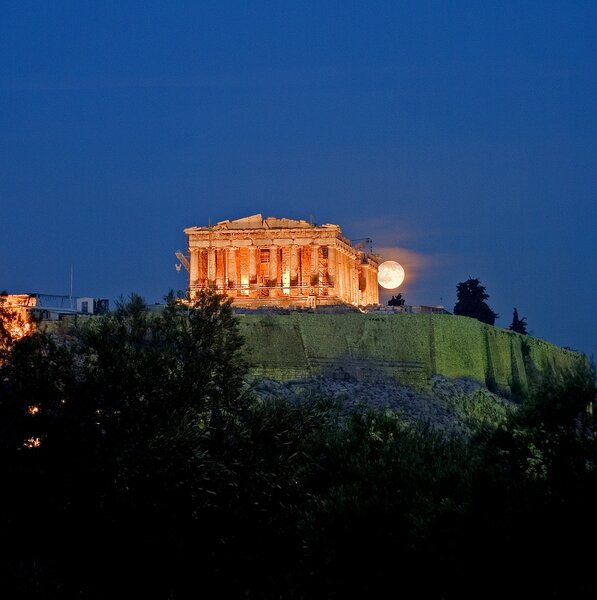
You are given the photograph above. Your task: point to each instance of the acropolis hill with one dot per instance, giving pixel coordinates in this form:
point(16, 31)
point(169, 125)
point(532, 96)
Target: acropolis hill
point(284, 263)
point(407, 349)
point(280, 262)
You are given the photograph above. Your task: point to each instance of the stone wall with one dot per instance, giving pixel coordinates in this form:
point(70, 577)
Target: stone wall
point(408, 348)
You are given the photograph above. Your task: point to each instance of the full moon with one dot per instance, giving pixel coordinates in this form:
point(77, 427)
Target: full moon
point(390, 274)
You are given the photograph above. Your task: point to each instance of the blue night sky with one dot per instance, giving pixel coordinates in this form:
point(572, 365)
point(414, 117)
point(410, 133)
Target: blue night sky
point(461, 137)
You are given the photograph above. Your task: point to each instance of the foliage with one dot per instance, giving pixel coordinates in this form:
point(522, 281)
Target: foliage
point(397, 300)
point(106, 437)
point(471, 301)
point(474, 404)
point(135, 463)
point(518, 325)
point(535, 494)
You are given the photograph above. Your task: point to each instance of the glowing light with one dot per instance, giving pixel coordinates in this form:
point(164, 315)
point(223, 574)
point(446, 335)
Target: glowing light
point(390, 274)
point(244, 283)
point(14, 315)
point(18, 331)
point(32, 442)
point(286, 281)
point(33, 409)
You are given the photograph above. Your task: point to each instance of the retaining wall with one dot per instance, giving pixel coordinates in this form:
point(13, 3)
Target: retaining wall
point(409, 348)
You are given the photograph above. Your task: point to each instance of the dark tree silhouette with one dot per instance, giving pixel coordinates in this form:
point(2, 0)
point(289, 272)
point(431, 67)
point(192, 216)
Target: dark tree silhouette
point(397, 300)
point(115, 432)
point(518, 325)
point(471, 301)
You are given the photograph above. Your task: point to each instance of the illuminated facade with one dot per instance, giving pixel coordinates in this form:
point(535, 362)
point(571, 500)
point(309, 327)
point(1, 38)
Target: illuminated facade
point(280, 262)
point(15, 314)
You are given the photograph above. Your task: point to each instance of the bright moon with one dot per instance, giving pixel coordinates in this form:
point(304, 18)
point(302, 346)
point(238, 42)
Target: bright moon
point(390, 274)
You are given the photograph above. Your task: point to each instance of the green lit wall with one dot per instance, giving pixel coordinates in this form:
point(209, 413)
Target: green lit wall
point(409, 348)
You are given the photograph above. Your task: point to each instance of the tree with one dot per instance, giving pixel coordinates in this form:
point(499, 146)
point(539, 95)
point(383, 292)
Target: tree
point(397, 300)
point(518, 325)
point(537, 489)
point(471, 302)
point(114, 440)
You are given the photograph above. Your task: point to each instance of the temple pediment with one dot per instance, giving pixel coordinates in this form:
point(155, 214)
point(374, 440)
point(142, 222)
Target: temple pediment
point(275, 223)
point(251, 222)
point(258, 222)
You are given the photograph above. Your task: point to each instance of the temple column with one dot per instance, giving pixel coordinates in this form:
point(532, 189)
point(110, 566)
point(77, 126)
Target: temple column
point(348, 278)
point(220, 269)
point(195, 259)
point(372, 297)
point(305, 273)
point(332, 267)
point(367, 291)
point(273, 267)
point(339, 278)
point(231, 268)
point(201, 275)
point(315, 267)
point(342, 274)
point(374, 288)
point(253, 252)
point(294, 270)
point(211, 267)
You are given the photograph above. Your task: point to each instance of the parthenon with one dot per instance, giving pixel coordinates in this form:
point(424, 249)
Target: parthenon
point(280, 262)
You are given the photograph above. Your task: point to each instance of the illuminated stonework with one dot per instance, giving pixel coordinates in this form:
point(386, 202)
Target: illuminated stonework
point(280, 262)
point(14, 314)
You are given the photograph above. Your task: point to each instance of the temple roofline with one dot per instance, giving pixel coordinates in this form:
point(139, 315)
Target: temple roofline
point(257, 221)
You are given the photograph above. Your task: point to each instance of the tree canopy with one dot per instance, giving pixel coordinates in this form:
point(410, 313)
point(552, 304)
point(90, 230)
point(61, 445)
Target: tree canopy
point(397, 300)
point(518, 325)
point(471, 301)
point(104, 434)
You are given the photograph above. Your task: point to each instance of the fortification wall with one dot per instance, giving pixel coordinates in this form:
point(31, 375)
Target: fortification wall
point(409, 348)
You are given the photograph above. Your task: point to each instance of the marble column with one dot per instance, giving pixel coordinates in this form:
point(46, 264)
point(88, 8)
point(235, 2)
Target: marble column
point(273, 266)
point(294, 270)
point(315, 266)
point(253, 253)
point(220, 269)
point(332, 254)
point(211, 266)
point(342, 275)
point(231, 268)
point(195, 259)
point(201, 275)
point(348, 278)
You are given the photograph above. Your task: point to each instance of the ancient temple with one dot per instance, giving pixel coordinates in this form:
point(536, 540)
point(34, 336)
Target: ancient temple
point(280, 262)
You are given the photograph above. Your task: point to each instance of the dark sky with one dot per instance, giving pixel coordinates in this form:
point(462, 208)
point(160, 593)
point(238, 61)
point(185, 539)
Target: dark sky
point(460, 136)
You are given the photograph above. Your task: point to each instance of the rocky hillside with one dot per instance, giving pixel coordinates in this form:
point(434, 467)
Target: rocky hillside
point(410, 350)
